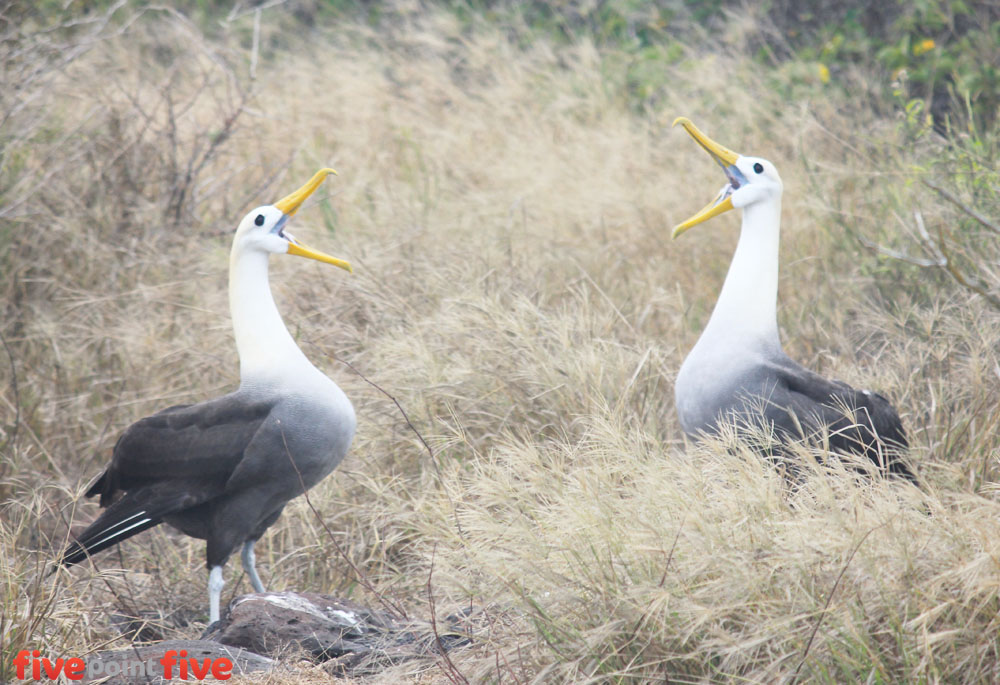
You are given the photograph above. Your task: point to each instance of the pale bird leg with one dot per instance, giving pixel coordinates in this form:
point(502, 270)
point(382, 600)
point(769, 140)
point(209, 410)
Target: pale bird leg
point(215, 583)
point(249, 560)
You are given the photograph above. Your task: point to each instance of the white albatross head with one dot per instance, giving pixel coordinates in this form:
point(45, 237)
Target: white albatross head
point(751, 179)
point(263, 229)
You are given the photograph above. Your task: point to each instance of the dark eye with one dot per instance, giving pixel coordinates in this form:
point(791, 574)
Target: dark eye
point(757, 167)
point(260, 217)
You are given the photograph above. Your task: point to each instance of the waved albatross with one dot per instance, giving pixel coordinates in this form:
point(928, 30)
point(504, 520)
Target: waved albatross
point(737, 371)
point(222, 470)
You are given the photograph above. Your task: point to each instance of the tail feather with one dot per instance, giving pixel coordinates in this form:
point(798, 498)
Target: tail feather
point(135, 511)
point(120, 521)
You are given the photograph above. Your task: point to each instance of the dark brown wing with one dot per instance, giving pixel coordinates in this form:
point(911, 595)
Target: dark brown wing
point(174, 460)
point(803, 404)
point(199, 442)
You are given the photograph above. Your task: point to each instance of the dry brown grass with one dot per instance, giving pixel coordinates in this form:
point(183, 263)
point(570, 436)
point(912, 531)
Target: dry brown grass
point(507, 210)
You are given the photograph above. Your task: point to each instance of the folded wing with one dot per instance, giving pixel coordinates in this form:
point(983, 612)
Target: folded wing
point(169, 462)
point(804, 405)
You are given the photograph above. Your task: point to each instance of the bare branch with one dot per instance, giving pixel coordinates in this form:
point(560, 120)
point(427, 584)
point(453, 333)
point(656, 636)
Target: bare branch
point(434, 461)
point(938, 247)
point(896, 254)
point(450, 670)
point(829, 598)
point(238, 10)
point(393, 607)
point(961, 205)
point(962, 279)
point(12, 441)
point(256, 44)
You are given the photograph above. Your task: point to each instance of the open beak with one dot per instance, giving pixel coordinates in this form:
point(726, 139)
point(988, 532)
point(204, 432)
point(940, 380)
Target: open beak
point(290, 204)
point(725, 158)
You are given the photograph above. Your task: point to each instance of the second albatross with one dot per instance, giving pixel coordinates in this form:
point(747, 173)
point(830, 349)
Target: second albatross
point(738, 372)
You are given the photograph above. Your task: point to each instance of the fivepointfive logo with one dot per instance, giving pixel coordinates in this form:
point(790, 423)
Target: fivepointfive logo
point(173, 664)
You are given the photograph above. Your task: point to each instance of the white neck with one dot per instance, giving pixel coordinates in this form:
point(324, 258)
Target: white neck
point(267, 351)
point(746, 310)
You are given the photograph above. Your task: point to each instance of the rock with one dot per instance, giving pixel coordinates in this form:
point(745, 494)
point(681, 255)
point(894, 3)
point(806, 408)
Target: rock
point(141, 663)
point(350, 640)
point(351, 637)
point(324, 627)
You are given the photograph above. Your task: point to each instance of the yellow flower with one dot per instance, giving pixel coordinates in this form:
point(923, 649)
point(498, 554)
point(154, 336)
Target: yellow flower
point(824, 72)
point(924, 46)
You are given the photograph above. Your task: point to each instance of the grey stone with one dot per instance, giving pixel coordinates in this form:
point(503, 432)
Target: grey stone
point(350, 637)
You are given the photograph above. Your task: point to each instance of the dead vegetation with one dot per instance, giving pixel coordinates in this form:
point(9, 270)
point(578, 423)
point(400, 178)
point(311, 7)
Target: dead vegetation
point(507, 210)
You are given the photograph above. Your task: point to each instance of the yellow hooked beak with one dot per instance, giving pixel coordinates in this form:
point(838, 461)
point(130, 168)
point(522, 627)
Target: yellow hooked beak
point(726, 158)
point(290, 204)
